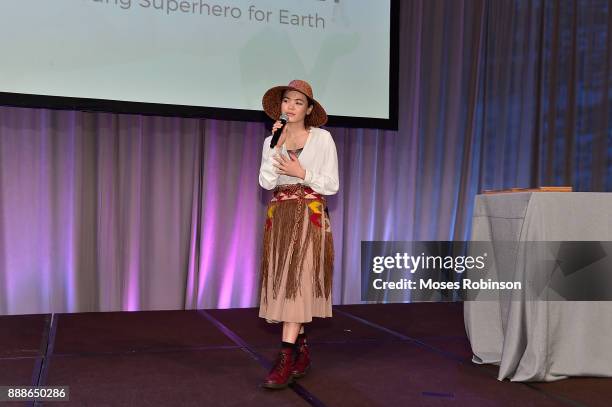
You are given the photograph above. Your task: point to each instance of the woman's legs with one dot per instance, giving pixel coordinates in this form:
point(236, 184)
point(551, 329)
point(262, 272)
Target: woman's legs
point(291, 331)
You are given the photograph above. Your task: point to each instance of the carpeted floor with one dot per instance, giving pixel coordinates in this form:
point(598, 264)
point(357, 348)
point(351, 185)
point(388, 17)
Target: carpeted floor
point(366, 355)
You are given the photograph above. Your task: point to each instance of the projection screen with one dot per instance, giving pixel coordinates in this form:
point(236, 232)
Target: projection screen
point(194, 57)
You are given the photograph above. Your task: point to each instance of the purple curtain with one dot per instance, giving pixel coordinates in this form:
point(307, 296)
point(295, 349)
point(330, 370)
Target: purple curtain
point(100, 211)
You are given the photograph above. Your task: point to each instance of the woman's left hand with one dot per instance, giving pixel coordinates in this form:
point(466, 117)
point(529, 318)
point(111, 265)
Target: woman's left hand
point(289, 166)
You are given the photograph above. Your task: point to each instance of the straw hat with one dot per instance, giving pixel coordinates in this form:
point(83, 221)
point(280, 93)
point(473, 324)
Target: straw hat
point(271, 102)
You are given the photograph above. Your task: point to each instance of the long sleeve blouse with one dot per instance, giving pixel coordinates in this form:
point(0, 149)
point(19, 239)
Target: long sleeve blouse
point(318, 158)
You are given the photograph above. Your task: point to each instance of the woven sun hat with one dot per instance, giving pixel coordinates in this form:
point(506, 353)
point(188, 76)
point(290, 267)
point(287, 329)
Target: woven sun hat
point(271, 102)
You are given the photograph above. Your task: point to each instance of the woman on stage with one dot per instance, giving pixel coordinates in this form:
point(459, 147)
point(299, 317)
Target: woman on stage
point(298, 255)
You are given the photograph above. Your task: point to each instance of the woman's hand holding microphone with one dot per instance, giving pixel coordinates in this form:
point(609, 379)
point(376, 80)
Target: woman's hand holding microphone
point(277, 125)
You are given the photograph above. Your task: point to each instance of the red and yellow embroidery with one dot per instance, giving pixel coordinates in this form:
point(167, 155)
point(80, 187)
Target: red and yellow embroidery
point(317, 212)
point(270, 215)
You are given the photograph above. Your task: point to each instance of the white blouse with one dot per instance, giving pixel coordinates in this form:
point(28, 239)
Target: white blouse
point(318, 158)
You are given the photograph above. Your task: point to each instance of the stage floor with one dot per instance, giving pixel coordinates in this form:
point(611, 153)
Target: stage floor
point(366, 355)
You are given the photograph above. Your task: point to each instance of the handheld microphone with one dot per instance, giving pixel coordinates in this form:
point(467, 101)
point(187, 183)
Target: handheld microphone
point(283, 119)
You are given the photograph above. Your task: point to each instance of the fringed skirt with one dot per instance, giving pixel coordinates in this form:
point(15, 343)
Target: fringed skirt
point(298, 257)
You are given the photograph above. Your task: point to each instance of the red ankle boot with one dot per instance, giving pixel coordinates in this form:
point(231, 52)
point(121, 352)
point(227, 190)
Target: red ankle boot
point(302, 360)
point(280, 374)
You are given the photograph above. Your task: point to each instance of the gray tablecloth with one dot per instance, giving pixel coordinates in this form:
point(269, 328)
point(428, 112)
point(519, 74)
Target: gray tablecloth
point(541, 340)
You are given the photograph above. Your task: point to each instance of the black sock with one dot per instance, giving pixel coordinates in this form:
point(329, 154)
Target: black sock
point(288, 345)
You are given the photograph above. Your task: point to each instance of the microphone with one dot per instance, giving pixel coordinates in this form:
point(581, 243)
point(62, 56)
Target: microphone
point(283, 119)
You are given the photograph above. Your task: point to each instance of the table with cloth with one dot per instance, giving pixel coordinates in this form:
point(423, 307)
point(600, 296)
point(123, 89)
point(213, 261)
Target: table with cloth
point(541, 340)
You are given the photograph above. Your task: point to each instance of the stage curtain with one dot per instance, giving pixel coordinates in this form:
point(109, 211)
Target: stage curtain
point(103, 211)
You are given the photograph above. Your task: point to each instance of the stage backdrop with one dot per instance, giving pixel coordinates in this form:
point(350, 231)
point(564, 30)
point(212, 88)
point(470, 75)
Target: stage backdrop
point(103, 212)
